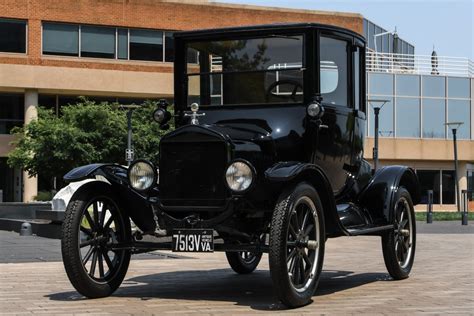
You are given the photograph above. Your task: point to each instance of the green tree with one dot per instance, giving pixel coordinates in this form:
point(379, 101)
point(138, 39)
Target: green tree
point(85, 133)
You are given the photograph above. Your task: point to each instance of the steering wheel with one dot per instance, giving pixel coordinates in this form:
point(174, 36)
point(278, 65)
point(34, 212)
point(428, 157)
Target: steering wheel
point(295, 83)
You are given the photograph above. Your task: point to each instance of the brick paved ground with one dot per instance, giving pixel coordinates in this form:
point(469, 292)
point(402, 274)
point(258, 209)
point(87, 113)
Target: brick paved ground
point(354, 281)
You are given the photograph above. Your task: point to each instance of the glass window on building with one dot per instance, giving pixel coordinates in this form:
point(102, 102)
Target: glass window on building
point(379, 30)
point(169, 47)
point(334, 75)
point(48, 101)
point(390, 43)
point(385, 40)
point(10, 182)
point(460, 111)
point(97, 41)
point(380, 84)
point(65, 100)
point(448, 187)
point(405, 48)
point(433, 113)
point(399, 46)
point(122, 43)
point(146, 45)
point(370, 38)
point(137, 101)
point(366, 28)
point(11, 111)
point(408, 117)
point(429, 180)
point(433, 86)
point(408, 85)
point(470, 188)
point(385, 118)
point(12, 36)
point(60, 39)
point(459, 88)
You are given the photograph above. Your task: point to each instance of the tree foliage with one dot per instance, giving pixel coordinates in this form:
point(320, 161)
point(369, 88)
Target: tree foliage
point(85, 133)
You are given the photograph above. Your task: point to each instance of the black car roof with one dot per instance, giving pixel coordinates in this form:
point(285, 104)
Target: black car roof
point(264, 27)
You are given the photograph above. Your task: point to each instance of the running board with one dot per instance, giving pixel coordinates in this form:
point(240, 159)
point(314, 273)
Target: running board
point(369, 231)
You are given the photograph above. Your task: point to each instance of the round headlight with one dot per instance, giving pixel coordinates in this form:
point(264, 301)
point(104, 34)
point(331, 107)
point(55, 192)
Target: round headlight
point(142, 175)
point(159, 115)
point(239, 176)
point(314, 109)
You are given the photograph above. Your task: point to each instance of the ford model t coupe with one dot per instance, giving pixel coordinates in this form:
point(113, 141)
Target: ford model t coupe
point(266, 157)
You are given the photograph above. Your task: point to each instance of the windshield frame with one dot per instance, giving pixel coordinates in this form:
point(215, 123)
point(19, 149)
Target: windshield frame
point(181, 75)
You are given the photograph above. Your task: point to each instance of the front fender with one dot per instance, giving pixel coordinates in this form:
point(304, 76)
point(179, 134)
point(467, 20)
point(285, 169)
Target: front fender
point(378, 196)
point(84, 172)
point(136, 206)
point(289, 173)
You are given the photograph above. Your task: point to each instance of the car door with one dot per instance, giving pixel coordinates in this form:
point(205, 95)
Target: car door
point(335, 135)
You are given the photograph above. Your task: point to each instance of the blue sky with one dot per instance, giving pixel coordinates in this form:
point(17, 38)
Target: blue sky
point(447, 24)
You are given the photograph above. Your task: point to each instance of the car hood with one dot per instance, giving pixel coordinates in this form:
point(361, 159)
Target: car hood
point(249, 140)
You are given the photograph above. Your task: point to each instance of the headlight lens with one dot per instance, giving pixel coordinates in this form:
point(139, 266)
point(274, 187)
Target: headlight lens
point(239, 176)
point(159, 115)
point(142, 175)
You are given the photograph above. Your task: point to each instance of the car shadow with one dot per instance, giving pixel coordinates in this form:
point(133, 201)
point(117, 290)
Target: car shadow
point(253, 290)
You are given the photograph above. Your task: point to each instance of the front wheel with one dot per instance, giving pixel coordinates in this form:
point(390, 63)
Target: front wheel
point(297, 239)
point(93, 224)
point(399, 244)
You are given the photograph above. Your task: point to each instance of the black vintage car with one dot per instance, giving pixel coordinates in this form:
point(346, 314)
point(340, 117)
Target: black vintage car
point(266, 157)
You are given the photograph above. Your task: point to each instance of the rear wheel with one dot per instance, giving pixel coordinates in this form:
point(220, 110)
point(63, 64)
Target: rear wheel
point(243, 262)
point(93, 224)
point(399, 245)
point(297, 238)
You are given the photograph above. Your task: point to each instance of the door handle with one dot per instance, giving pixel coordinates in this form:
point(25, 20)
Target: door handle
point(321, 126)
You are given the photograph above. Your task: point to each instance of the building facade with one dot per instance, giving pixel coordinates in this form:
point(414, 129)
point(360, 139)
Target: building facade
point(118, 50)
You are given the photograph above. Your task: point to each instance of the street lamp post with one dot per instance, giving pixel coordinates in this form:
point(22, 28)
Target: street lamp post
point(454, 126)
point(377, 108)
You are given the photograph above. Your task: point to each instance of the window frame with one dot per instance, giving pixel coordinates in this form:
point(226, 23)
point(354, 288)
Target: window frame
point(362, 108)
point(26, 36)
point(182, 96)
point(439, 172)
point(349, 63)
point(115, 32)
point(116, 48)
point(21, 119)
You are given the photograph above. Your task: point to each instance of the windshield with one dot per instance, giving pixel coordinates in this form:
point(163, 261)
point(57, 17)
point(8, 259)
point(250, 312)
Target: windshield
point(246, 71)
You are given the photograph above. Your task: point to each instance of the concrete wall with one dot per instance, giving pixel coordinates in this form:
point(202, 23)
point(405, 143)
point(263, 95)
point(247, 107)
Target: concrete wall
point(68, 80)
point(420, 149)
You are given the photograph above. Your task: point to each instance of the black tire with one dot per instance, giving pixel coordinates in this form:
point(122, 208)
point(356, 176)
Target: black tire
point(294, 245)
point(93, 223)
point(243, 262)
point(398, 247)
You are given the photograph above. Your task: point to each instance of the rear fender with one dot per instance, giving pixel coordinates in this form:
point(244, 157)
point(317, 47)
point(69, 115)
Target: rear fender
point(135, 205)
point(378, 197)
point(288, 174)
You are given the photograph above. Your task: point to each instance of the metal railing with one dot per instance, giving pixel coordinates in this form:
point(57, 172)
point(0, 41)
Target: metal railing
point(419, 64)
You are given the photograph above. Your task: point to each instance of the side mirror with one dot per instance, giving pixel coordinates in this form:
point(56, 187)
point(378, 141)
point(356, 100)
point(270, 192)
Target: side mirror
point(161, 115)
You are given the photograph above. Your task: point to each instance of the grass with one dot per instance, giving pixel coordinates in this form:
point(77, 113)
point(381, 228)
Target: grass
point(443, 216)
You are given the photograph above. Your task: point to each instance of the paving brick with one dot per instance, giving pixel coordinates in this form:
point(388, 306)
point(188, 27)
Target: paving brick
point(354, 281)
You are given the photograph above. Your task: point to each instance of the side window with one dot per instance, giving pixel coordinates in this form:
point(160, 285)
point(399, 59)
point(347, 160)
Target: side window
point(334, 71)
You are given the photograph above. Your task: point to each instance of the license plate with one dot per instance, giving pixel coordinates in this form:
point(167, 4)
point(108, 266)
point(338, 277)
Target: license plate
point(193, 240)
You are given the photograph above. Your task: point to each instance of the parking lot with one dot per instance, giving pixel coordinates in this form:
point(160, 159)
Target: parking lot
point(354, 280)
